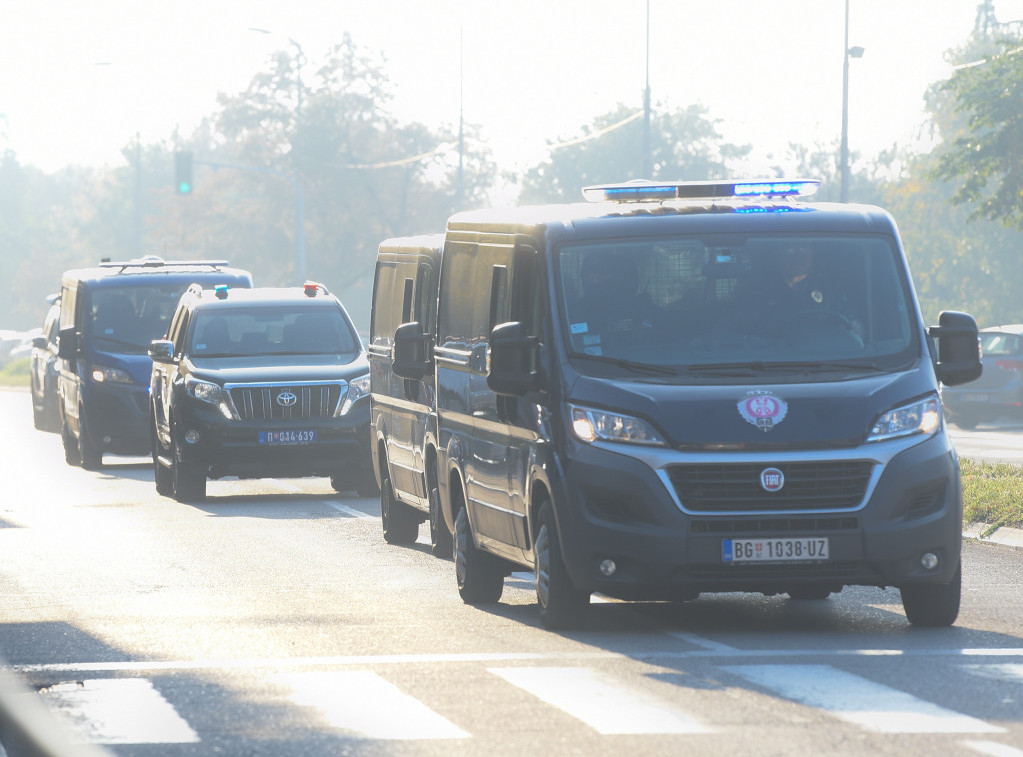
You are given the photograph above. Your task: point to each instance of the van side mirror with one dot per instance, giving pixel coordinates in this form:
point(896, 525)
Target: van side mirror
point(67, 344)
point(514, 360)
point(958, 348)
point(410, 356)
point(161, 350)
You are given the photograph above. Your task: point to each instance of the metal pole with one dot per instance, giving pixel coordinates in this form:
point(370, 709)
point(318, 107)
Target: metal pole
point(647, 159)
point(844, 159)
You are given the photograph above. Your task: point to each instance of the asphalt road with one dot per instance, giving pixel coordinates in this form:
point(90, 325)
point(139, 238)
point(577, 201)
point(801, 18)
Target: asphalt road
point(273, 619)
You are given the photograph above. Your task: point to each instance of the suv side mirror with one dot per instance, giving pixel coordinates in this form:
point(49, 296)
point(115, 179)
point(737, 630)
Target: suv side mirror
point(410, 357)
point(39, 342)
point(514, 358)
point(161, 350)
point(958, 348)
point(67, 343)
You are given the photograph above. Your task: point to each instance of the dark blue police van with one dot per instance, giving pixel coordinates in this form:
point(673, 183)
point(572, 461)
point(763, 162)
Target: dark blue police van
point(108, 317)
point(693, 387)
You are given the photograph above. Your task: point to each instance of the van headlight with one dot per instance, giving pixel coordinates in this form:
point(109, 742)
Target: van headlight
point(591, 425)
point(104, 374)
point(357, 389)
point(923, 417)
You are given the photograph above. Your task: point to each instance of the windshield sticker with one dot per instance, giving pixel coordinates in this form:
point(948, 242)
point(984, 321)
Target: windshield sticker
point(580, 328)
point(591, 339)
point(762, 409)
point(593, 351)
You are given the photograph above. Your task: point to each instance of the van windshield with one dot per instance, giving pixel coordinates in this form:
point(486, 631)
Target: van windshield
point(127, 318)
point(255, 331)
point(719, 302)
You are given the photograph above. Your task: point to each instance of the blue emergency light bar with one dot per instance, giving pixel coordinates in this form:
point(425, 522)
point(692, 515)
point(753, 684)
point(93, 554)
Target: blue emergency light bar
point(647, 191)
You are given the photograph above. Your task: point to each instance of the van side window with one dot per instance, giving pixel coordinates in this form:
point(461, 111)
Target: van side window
point(454, 318)
point(498, 296)
point(406, 302)
point(382, 320)
point(426, 301)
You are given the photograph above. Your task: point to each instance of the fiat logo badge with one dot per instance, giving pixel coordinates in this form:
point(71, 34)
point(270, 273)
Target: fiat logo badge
point(763, 409)
point(772, 479)
point(286, 399)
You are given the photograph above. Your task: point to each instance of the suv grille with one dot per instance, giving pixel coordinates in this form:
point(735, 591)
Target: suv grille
point(726, 487)
point(283, 402)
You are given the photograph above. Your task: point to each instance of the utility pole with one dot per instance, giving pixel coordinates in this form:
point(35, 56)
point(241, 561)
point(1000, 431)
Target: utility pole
point(647, 160)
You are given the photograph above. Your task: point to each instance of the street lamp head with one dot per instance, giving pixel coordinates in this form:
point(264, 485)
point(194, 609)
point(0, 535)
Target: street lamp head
point(856, 52)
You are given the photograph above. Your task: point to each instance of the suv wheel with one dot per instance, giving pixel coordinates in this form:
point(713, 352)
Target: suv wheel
point(187, 481)
point(72, 455)
point(163, 476)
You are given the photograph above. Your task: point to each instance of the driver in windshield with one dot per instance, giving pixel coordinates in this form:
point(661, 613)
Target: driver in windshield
point(804, 293)
point(613, 311)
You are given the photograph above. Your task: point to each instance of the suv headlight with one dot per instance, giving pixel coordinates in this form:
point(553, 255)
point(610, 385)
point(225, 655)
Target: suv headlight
point(204, 391)
point(104, 374)
point(357, 389)
point(590, 425)
point(923, 417)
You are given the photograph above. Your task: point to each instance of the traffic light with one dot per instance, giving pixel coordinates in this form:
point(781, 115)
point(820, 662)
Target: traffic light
point(183, 171)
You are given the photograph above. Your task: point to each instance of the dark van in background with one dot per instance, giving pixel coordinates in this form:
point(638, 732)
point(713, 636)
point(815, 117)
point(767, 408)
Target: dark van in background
point(686, 388)
point(108, 317)
point(403, 411)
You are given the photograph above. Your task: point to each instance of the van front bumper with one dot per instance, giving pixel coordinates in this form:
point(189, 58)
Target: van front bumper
point(624, 508)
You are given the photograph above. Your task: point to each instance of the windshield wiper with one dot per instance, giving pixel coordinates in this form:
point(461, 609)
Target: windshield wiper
point(789, 366)
point(630, 365)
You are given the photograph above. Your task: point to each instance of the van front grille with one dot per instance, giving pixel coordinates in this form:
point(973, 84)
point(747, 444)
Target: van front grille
point(284, 402)
point(735, 487)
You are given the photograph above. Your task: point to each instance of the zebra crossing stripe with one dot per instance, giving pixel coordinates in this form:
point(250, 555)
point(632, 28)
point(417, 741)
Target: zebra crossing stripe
point(1004, 672)
point(365, 703)
point(117, 711)
point(856, 700)
point(607, 707)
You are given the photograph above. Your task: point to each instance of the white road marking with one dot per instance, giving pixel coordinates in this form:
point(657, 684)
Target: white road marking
point(351, 511)
point(699, 641)
point(993, 748)
point(363, 702)
point(118, 711)
point(607, 707)
point(856, 700)
point(1003, 672)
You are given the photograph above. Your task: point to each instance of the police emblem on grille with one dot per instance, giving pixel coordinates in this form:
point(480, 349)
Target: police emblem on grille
point(762, 409)
point(286, 399)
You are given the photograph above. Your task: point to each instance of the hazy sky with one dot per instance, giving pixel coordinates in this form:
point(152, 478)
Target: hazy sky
point(79, 78)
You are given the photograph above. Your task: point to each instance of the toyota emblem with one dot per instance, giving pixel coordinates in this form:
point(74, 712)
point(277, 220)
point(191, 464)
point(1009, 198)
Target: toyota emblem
point(286, 399)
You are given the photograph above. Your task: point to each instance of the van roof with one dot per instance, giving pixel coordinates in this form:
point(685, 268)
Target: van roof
point(151, 266)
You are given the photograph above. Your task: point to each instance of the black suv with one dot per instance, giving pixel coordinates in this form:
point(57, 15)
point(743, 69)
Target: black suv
point(257, 383)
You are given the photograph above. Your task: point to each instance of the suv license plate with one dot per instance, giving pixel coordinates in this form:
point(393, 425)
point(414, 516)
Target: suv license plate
point(287, 437)
point(801, 549)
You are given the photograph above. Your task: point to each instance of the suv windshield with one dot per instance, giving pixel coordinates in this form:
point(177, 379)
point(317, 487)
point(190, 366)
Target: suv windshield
point(127, 318)
point(279, 330)
point(737, 302)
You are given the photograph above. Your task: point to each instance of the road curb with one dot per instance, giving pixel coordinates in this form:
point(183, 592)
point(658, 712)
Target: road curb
point(999, 536)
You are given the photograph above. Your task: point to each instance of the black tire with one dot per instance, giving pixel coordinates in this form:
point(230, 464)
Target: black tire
point(90, 455)
point(933, 605)
point(480, 576)
point(441, 542)
point(188, 482)
point(163, 476)
point(72, 455)
point(401, 526)
point(809, 593)
point(561, 605)
point(38, 417)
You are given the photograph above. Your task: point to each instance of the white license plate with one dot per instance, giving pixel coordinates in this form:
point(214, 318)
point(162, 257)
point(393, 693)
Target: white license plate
point(287, 437)
point(786, 549)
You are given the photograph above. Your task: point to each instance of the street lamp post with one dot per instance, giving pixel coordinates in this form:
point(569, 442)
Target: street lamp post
point(847, 52)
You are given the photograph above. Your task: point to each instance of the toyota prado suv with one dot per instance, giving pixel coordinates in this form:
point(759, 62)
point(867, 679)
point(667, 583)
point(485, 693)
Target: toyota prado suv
point(260, 383)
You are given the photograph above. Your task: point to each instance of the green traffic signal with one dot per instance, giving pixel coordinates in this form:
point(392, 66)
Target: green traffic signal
point(183, 171)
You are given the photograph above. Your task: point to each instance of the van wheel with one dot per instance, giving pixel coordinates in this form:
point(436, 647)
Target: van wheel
point(90, 455)
point(188, 482)
point(440, 537)
point(561, 604)
point(480, 578)
point(933, 605)
point(71, 453)
point(399, 521)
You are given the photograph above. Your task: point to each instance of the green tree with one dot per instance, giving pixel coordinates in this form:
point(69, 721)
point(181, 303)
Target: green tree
point(984, 155)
